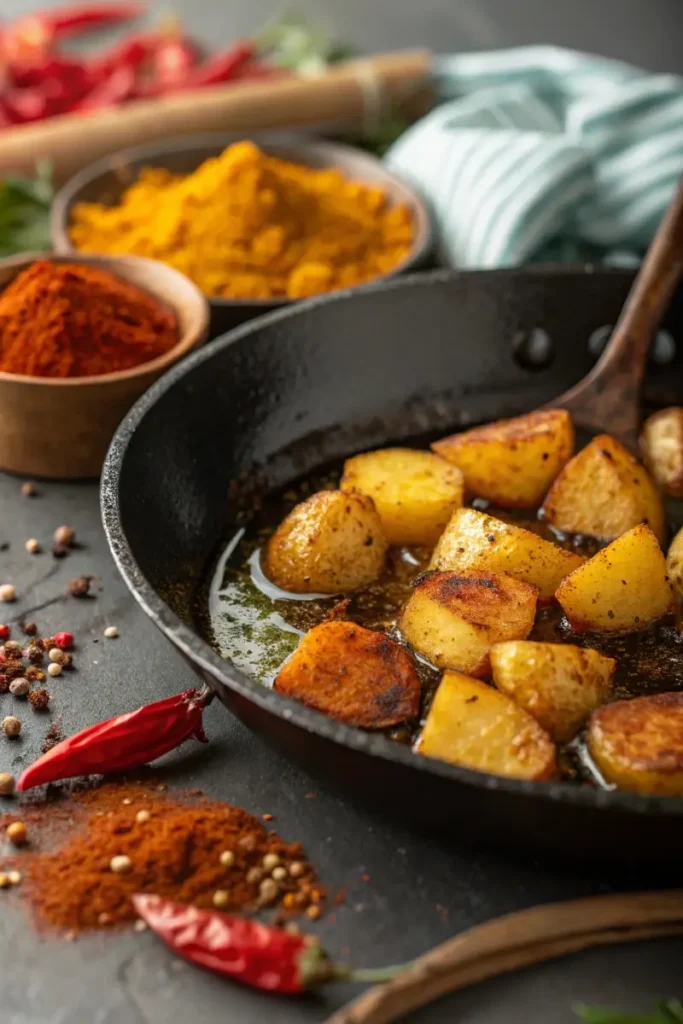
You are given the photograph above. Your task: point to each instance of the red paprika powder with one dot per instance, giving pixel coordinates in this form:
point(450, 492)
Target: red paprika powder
point(202, 852)
point(75, 320)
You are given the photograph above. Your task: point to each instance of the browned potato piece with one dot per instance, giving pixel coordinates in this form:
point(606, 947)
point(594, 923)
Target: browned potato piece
point(638, 744)
point(674, 563)
point(453, 619)
point(661, 442)
point(331, 543)
point(471, 724)
point(414, 492)
point(559, 684)
point(603, 492)
point(474, 540)
point(512, 462)
point(353, 675)
point(623, 587)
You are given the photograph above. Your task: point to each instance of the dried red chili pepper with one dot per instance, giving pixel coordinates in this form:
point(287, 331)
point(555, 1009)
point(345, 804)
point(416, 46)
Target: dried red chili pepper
point(76, 19)
point(123, 743)
point(33, 36)
point(255, 954)
point(222, 66)
point(118, 86)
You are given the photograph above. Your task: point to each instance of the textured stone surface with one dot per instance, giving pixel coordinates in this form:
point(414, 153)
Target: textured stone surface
point(420, 892)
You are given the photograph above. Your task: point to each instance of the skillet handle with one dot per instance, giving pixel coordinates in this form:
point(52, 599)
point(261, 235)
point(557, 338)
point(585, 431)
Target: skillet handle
point(608, 398)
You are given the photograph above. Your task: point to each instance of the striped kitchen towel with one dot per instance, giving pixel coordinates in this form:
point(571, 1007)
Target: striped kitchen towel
point(544, 154)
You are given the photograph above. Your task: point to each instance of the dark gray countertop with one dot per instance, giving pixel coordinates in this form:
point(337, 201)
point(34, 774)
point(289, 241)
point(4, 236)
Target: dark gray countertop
point(420, 890)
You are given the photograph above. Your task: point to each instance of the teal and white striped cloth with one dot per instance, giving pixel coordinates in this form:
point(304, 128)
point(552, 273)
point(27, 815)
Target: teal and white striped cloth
point(544, 154)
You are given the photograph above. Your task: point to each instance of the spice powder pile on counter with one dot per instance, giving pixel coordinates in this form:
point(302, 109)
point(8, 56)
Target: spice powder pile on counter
point(105, 844)
point(74, 320)
point(246, 225)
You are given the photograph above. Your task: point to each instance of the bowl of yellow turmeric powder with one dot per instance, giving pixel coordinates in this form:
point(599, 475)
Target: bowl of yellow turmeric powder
point(255, 223)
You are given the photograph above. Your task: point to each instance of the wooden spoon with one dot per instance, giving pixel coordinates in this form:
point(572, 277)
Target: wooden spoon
point(514, 941)
point(608, 398)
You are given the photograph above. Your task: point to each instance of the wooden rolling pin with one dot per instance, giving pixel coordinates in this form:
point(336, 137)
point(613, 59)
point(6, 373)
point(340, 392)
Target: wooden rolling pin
point(348, 95)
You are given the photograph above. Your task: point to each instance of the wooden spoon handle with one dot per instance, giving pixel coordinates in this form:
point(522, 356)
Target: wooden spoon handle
point(609, 396)
point(514, 941)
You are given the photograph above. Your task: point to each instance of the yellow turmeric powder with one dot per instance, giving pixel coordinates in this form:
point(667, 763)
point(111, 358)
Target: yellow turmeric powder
point(249, 226)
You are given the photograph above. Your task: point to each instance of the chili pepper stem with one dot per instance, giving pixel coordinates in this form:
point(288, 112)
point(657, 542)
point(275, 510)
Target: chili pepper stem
point(373, 976)
point(316, 969)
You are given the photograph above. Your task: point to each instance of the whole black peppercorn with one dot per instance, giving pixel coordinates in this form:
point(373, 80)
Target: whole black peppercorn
point(80, 586)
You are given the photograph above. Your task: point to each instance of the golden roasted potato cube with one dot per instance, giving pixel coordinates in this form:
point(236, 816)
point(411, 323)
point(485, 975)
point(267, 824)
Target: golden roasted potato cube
point(638, 744)
point(603, 492)
point(353, 675)
point(414, 492)
point(559, 684)
point(471, 724)
point(452, 619)
point(512, 462)
point(661, 442)
point(674, 563)
point(331, 543)
point(474, 540)
point(623, 587)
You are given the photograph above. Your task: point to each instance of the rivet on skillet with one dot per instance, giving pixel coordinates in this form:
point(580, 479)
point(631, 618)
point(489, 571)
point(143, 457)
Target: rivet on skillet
point(534, 349)
point(663, 350)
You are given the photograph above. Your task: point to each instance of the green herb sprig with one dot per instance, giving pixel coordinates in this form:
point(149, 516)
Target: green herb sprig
point(668, 1012)
point(25, 212)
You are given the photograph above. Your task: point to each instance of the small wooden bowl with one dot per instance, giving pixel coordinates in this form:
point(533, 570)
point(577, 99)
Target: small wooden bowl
point(61, 427)
point(106, 180)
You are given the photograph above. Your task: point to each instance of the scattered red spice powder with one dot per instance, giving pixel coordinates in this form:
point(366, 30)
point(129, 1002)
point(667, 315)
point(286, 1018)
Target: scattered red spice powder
point(175, 851)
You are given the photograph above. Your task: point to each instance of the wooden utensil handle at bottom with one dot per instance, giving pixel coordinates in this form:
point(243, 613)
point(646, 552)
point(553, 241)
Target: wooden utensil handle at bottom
point(515, 941)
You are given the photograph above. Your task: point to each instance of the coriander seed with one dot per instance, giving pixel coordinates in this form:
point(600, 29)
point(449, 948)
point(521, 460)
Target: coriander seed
point(268, 890)
point(142, 816)
point(17, 833)
point(28, 489)
point(111, 632)
point(7, 784)
point(270, 861)
point(120, 864)
point(254, 876)
point(8, 592)
point(221, 898)
point(19, 687)
point(279, 873)
point(313, 912)
point(140, 925)
point(54, 654)
point(65, 535)
point(227, 859)
point(11, 726)
point(14, 877)
point(33, 546)
point(297, 869)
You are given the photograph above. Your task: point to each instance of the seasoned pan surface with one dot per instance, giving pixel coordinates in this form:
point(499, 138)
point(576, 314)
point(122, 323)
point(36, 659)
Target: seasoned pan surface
point(296, 389)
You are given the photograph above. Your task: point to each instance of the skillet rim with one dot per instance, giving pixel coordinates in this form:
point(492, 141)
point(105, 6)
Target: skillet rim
point(201, 654)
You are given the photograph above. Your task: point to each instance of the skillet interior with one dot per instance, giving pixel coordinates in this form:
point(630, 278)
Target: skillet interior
point(336, 375)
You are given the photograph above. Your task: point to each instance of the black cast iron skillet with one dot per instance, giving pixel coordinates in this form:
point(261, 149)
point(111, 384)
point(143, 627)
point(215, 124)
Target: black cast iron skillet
point(291, 390)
